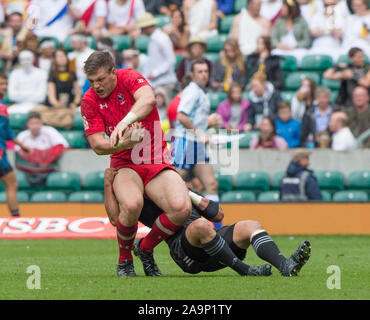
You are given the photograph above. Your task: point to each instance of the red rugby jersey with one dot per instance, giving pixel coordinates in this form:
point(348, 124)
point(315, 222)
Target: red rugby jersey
point(103, 114)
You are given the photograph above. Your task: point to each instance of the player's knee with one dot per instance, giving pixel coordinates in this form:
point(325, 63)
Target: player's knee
point(212, 186)
point(133, 206)
point(182, 208)
point(253, 225)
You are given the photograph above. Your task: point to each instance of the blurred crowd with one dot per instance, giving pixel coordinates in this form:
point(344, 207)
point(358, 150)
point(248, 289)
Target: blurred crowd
point(44, 44)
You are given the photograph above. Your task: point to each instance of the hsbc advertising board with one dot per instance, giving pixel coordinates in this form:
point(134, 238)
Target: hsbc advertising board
point(61, 228)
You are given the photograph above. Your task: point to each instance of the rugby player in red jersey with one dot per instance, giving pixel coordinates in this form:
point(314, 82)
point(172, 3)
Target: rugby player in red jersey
point(116, 100)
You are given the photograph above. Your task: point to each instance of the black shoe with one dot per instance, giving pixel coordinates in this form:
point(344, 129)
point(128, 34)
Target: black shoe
point(150, 267)
point(293, 265)
point(126, 269)
point(264, 270)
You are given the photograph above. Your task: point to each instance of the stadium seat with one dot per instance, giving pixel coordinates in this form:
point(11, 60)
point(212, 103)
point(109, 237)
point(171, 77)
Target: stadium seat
point(316, 62)
point(2, 64)
point(225, 182)
point(120, 42)
point(331, 84)
point(359, 180)
point(287, 96)
point(86, 196)
point(22, 196)
point(78, 122)
point(238, 196)
point(226, 24)
point(74, 138)
point(63, 181)
point(248, 137)
point(252, 180)
point(216, 43)
point(334, 95)
point(163, 20)
point(179, 57)
point(239, 5)
point(350, 196)
point(288, 63)
point(49, 196)
point(345, 59)
point(269, 196)
point(276, 180)
point(141, 43)
point(326, 196)
point(212, 56)
point(67, 43)
point(22, 181)
point(17, 121)
point(94, 180)
point(216, 98)
point(293, 79)
point(330, 180)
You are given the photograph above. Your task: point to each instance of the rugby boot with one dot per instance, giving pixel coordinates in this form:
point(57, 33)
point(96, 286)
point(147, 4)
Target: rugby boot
point(126, 269)
point(150, 267)
point(295, 262)
point(264, 270)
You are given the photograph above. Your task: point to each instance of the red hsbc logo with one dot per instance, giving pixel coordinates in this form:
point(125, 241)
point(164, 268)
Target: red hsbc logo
point(65, 227)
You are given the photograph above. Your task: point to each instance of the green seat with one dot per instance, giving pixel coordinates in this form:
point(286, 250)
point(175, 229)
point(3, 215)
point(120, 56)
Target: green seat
point(215, 99)
point(276, 180)
point(288, 63)
point(293, 79)
point(2, 65)
point(22, 196)
point(216, 43)
point(141, 43)
point(331, 84)
point(86, 196)
point(75, 138)
point(17, 121)
point(334, 95)
point(56, 41)
point(22, 181)
point(269, 196)
point(350, 196)
point(326, 196)
point(359, 180)
point(344, 58)
point(163, 20)
point(239, 5)
point(78, 123)
point(316, 62)
point(120, 41)
point(252, 180)
point(238, 196)
point(63, 181)
point(331, 180)
point(212, 56)
point(287, 96)
point(67, 43)
point(226, 24)
point(225, 182)
point(94, 180)
point(179, 57)
point(248, 137)
point(49, 196)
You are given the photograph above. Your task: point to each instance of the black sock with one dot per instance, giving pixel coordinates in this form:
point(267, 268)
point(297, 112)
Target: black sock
point(15, 213)
point(267, 250)
point(220, 250)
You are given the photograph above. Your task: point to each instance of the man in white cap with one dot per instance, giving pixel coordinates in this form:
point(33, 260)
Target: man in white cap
point(160, 67)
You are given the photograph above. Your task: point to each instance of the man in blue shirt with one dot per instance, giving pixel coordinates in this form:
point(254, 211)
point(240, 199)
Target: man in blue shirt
point(287, 127)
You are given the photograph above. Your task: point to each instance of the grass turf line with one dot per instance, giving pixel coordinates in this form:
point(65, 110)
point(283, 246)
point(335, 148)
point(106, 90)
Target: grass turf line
point(85, 269)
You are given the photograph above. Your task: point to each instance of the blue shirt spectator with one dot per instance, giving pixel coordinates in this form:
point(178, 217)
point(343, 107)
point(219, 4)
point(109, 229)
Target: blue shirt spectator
point(225, 6)
point(287, 127)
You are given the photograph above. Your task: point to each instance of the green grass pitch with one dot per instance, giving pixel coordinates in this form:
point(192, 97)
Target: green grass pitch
point(85, 269)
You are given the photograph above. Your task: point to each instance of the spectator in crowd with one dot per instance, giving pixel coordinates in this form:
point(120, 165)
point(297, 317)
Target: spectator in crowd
point(178, 31)
point(7, 174)
point(309, 8)
point(27, 85)
point(229, 68)
point(303, 98)
point(161, 103)
point(316, 119)
point(160, 49)
point(287, 127)
point(47, 50)
point(63, 88)
point(201, 16)
point(352, 75)
point(327, 29)
point(299, 183)
point(52, 20)
point(81, 51)
point(224, 8)
point(234, 110)
point(262, 56)
point(271, 10)
point(156, 7)
point(132, 59)
point(268, 139)
point(47, 146)
point(122, 16)
point(359, 116)
point(291, 34)
point(252, 21)
point(90, 15)
point(107, 44)
point(264, 100)
point(30, 43)
point(342, 138)
point(195, 51)
point(357, 30)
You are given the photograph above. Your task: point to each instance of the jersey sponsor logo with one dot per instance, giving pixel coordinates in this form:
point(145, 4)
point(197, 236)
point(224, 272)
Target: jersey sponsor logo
point(121, 99)
point(85, 123)
point(140, 80)
point(101, 106)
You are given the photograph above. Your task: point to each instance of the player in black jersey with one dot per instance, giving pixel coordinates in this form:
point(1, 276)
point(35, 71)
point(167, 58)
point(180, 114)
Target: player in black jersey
point(199, 247)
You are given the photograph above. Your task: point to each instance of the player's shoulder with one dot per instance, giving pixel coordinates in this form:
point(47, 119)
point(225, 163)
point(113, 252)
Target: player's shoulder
point(129, 74)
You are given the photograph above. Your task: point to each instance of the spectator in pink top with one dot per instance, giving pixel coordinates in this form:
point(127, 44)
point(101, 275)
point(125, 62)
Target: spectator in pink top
point(234, 109)
point(268, 139)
